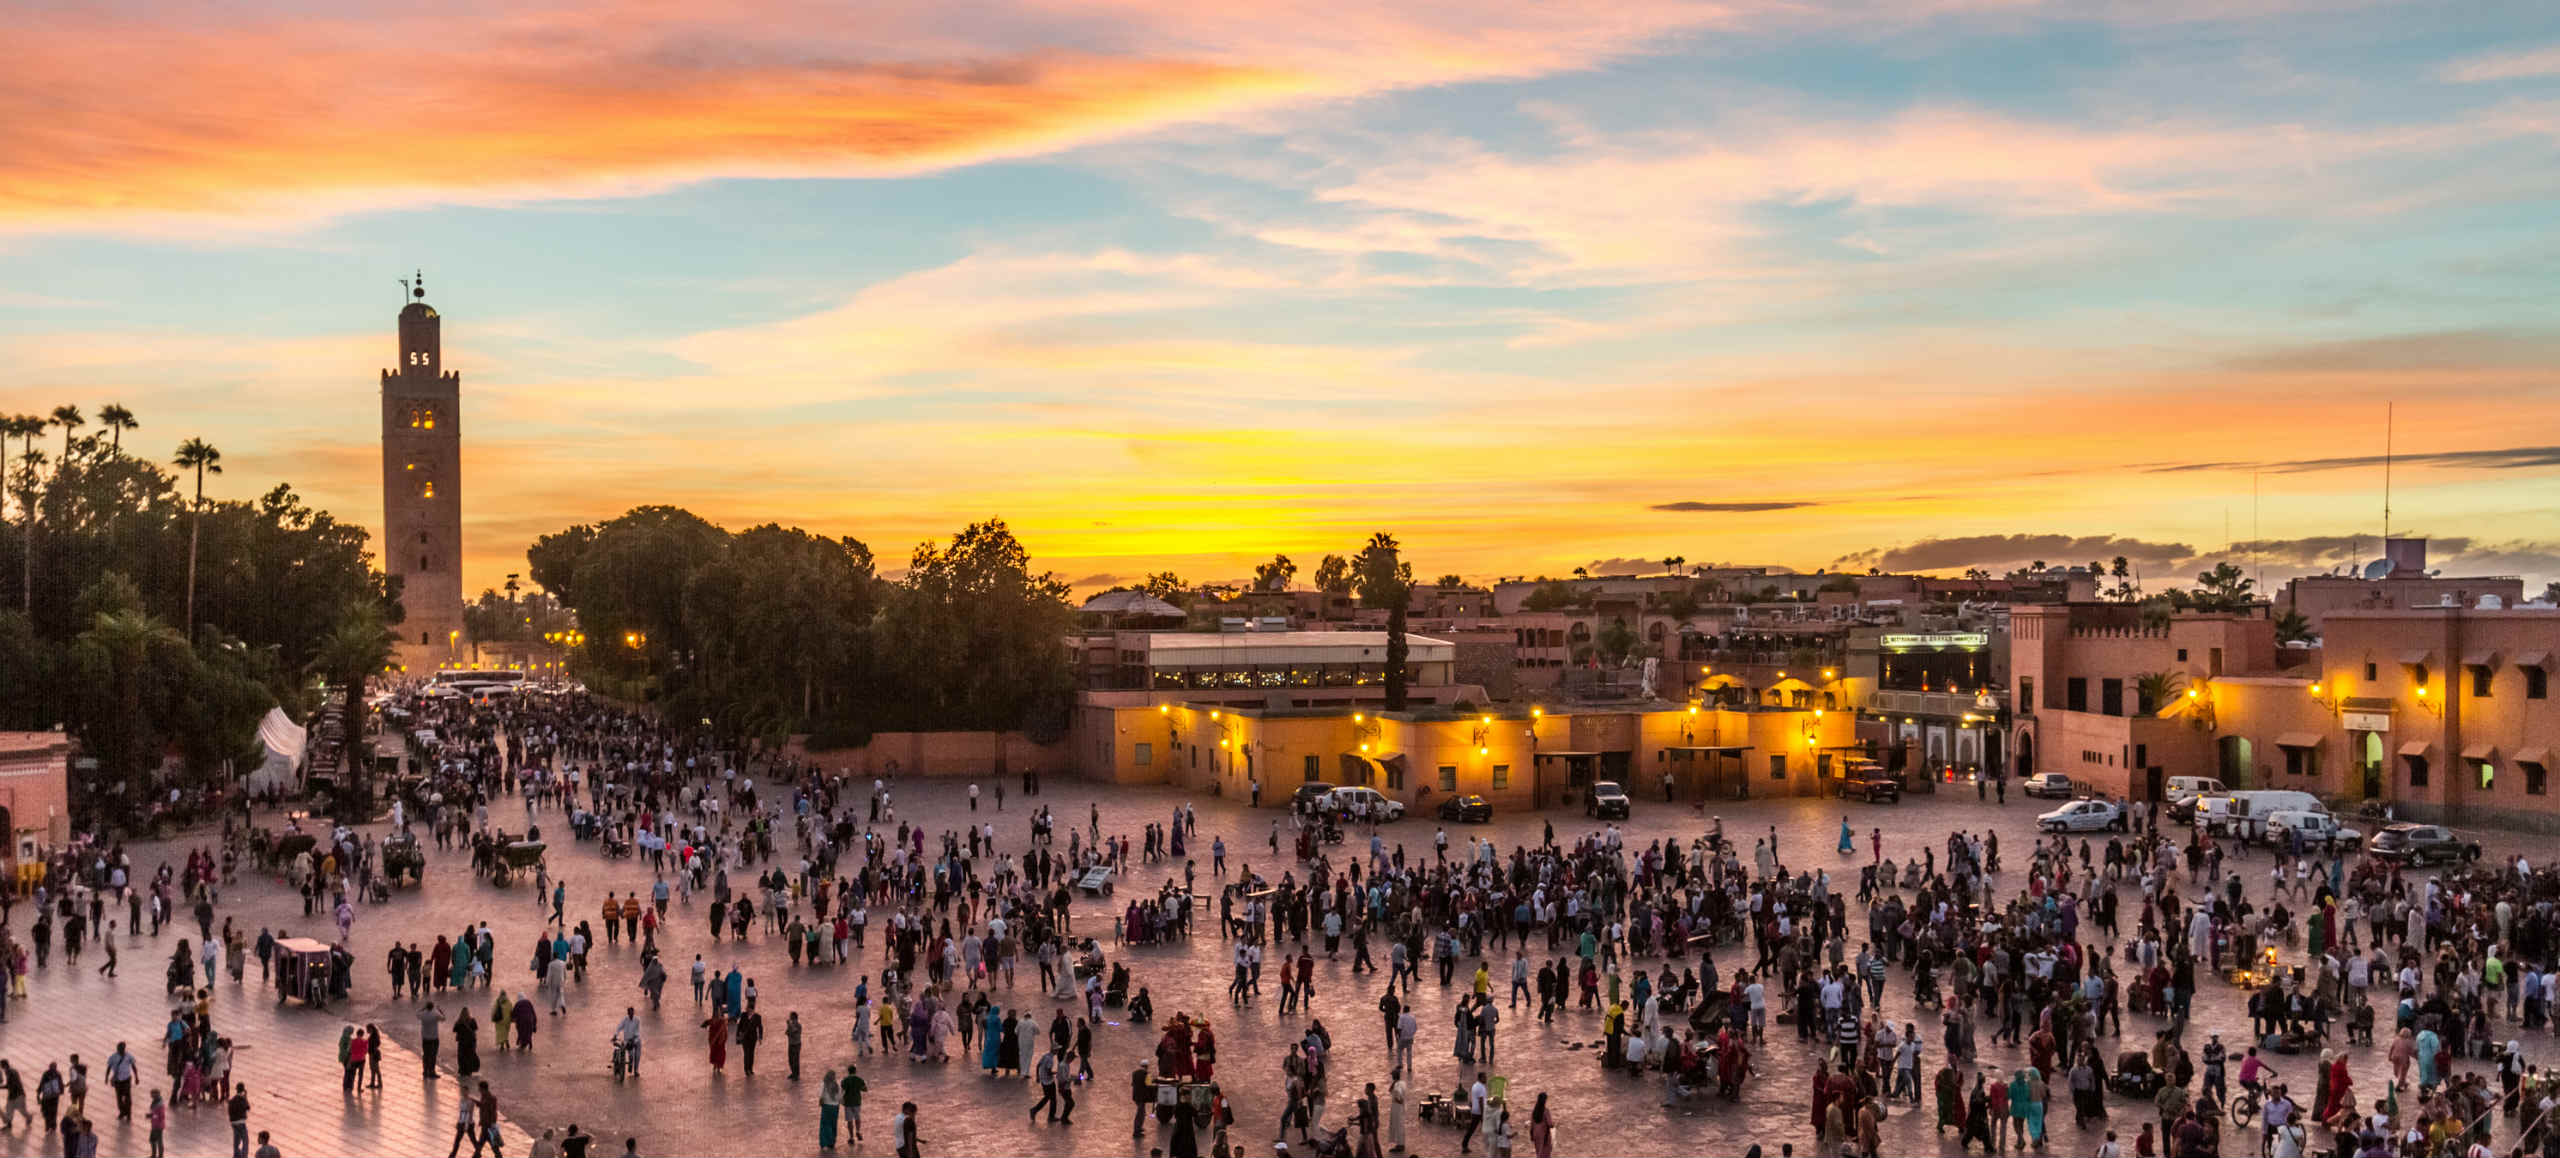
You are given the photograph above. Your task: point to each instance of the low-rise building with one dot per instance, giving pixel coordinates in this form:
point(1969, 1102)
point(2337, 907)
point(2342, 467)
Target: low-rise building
point(2398, 580)
point(35, 795)
point(1516, 757)
point(2445, 713)
point(2115, 700)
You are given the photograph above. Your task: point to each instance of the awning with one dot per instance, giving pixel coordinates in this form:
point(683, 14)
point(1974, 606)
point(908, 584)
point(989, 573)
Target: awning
point(2416, 748)
point(1731, 749)
point(2532, 658)
point(2480, 752)
point(1567, 755)
point(2539, 757)
point(1360, 768)
point(2487, 658)
point(2414, 658)
point(2298, 740)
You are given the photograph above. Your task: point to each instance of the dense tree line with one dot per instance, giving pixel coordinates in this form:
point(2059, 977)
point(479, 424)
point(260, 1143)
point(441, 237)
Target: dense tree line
point(108, 557)
point(776, 630)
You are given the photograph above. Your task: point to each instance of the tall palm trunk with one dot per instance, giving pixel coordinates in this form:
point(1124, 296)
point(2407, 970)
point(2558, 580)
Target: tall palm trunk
point(27, 500)
point(195, 530)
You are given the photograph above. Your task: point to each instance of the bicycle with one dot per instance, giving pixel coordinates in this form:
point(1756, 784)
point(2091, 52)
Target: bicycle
point(2244, 1107)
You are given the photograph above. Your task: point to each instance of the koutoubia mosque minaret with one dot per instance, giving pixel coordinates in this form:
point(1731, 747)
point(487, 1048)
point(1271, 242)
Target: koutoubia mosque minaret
point(422, 487)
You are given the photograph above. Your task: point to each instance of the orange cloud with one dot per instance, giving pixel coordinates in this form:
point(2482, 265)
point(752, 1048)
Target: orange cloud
point(97, 117)
point(105, 112)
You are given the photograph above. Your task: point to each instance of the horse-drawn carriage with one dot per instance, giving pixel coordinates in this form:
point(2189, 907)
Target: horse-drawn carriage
point(510, 857)
point(402, 855)
point(273, 851)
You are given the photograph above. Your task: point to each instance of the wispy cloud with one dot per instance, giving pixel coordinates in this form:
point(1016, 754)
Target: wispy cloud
point(1730, 507)
point(2498, 458)
point(2003, 550)
point(2516, 65)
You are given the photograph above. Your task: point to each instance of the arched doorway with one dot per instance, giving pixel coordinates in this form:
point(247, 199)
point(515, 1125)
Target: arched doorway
point(2239, 763)
point(2369, 759)
point(2026, 754)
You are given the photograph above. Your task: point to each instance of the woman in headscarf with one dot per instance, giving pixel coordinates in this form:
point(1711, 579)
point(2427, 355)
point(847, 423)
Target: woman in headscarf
point(1950, 1099)
point(717, 1029)
point(945, 1024)
point(1977, 1119)
point(2342, 1087)
point(991, 1041)
point(502, 1009)
point(524, 1021)
point(830, 1104)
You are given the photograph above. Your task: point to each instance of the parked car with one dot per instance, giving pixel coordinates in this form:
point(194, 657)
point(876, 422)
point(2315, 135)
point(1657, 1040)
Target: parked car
point(1466, 808)
point(2318, 829)
point(2422, 844)
point(2083, 816)
point(1310, 792)
point(1607, 800)
point(1363, 803)
point(1871, 785)
point(2183, 792)
point(2052, 784)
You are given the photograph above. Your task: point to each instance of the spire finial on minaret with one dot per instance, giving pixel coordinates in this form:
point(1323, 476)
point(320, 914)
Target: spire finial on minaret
point(418, 290)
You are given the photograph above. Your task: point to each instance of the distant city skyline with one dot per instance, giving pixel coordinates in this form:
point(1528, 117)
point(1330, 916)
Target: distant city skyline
point(1178, 286)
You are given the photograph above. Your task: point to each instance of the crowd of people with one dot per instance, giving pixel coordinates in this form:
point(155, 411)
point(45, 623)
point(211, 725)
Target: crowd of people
point(1677, 955)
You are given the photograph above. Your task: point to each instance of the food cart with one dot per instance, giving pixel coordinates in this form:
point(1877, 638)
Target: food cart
point(302, 971)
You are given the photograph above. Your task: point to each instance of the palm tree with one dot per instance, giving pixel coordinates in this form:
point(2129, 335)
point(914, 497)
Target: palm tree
point(69, 419)
point(25, 428)
point(117, 420)
point(2159, 691)
point(199, 456)
point(1387, 581)
point(358, 647)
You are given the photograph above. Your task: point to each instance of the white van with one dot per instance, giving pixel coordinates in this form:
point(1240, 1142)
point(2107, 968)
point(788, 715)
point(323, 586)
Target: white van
point(2183, 789)
point(2245, 813)
point(2319, 830)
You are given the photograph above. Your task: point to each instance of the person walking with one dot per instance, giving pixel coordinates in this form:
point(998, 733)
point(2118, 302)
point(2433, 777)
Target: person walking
point(1476, 1103)
point(908, 1132)
point(1054, 1094)
point(830, 1104)
point(238, 1110)
point(430, 1039)
point(120, 1073)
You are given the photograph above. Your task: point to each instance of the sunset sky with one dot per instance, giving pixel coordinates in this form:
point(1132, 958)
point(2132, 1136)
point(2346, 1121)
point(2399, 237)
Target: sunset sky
point(1170, 284)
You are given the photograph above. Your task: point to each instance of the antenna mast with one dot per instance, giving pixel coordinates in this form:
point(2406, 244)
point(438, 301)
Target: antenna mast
point(2386, 472)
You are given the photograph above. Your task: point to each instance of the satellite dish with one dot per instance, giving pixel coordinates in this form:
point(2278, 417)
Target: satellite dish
point(2377, 569)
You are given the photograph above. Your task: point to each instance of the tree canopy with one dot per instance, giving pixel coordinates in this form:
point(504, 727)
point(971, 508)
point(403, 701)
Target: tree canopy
point(96, 561)
point(776, 630)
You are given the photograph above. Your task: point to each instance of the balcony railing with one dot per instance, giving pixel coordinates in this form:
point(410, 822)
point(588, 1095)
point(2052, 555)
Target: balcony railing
point(1901, 703)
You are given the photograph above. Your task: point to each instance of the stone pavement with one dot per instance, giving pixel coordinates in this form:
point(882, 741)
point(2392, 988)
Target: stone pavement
point(287, 1055)
point(678, 1106)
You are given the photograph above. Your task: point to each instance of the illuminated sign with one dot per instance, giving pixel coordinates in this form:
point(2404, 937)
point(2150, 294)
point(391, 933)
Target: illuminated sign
point(2368, 721)
point(1919, 640)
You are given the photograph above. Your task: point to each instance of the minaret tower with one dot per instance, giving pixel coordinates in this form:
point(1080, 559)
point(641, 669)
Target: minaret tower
point(422, 487)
